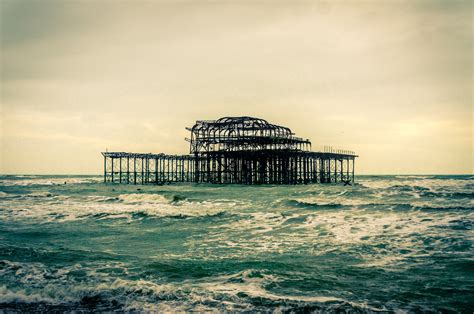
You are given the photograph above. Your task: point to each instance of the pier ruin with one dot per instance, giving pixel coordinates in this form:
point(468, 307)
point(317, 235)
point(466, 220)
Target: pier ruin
point(235, 150)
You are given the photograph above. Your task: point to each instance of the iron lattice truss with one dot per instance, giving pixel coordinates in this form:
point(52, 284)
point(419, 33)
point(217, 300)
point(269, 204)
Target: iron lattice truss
point(243, 150)
point(241, 134)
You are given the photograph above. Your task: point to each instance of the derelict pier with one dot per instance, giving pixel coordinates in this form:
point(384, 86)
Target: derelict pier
point(235, 150)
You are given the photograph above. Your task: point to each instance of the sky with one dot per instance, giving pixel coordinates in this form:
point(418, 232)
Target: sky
point(390, 80)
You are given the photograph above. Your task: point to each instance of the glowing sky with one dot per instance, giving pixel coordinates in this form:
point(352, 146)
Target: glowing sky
point(390, 80)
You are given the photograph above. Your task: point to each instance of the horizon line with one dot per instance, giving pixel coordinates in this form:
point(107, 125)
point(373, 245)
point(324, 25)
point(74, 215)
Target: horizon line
point(360, 174)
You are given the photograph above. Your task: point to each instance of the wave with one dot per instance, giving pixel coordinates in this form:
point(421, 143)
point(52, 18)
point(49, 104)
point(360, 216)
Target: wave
point(405, 183)
point(21, 296)
point(47, 181)
point(407, 188)
point(6, 195)
point(446, 194)
point(315, 205)
point(244, 290)
point(48, 207)
point(153, 198)
point(143, 198)
point(146, 215)
point(387, 205)
point(102, 199)
point(413, 177)
point(39, 194)
point(442, 207)
point(340, 203)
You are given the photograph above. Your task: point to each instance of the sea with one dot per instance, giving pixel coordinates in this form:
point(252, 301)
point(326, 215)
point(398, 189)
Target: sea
point(386, 244)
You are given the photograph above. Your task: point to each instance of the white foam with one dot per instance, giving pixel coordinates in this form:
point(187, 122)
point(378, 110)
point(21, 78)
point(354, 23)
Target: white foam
point(4, 194)
point(32, 180)
point(40, 194)
point(143, 198)
point(45, 207)
point(9, 296)
point(253, 286)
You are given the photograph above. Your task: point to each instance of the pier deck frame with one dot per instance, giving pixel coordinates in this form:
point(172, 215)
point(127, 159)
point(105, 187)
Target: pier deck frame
point(230, 167)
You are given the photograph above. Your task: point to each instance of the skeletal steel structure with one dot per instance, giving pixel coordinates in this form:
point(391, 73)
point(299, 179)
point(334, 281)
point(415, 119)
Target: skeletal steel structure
point(242, 150)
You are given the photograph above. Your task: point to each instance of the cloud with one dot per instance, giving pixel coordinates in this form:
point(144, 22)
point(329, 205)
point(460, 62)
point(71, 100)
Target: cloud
point(133, 75)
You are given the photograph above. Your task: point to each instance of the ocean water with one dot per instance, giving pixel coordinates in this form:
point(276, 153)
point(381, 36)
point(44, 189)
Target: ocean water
point(389, 243)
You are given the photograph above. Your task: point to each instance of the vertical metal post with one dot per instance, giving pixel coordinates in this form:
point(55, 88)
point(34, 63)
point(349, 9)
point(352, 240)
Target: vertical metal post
point(142, 172)
point(168, 169)
point(105, 169)
point(342, 170)
point(156, 170)
point(347, 170)
point(353, 166)
point(112, 169)
point(120, 172)
point(196, 168)
point(134, 170)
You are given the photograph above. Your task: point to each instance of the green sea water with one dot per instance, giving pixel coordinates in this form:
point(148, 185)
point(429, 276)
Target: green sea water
point(389, 243)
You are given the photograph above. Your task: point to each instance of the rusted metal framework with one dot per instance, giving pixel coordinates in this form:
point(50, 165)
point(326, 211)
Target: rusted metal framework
point(242, 134)
point(242, 150)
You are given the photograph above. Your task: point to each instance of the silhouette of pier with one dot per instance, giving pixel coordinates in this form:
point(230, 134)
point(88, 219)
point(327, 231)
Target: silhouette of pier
point(235, 150)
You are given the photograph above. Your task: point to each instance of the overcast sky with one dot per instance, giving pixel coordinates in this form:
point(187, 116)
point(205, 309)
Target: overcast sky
point(391, 80)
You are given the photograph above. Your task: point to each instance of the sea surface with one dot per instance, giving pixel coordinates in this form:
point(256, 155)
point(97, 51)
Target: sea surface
point(389, 243)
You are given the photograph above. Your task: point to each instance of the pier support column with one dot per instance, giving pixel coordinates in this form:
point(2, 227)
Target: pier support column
point(342, 170)
point(120, 171)
point(347, 170)
point(142, 172)
point(128, 170)
point(196, 168)
point(156, 170)
point(105, 169)
point(134, 170)
point(353, 166)
point(112, 170)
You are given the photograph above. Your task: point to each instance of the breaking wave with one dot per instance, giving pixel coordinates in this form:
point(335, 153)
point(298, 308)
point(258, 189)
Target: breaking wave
point(86, 246)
